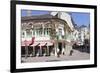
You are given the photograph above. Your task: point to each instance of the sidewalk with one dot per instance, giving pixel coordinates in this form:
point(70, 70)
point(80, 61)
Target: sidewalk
point(77, 55)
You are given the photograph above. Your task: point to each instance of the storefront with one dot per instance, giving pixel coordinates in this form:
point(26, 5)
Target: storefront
point(51, 36)
point(37, 49)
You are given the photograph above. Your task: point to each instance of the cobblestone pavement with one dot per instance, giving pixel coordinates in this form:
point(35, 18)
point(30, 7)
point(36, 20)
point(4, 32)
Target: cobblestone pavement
point(77, 55)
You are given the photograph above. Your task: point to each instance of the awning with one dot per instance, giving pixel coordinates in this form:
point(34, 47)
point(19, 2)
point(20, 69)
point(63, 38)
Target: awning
point(49, 44)
point(42, 44)
point(24, 43)
point(35, 44)
point(28, 42)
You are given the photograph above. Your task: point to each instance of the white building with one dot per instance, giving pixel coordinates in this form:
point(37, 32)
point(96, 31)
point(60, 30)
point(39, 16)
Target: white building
point(83, 34)
point(52, 33)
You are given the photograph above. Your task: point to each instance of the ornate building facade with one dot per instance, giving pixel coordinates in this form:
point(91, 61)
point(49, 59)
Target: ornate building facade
point(51, 32)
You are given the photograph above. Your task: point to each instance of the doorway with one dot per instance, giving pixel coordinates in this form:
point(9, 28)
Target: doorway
point(60, 47)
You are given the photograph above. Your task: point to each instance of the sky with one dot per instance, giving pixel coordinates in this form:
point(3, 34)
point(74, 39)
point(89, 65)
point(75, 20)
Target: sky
point(81, 18)
point(34, 12)
point(78, 18)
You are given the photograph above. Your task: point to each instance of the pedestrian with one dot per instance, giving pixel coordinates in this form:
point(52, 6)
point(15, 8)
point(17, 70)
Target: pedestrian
point(58, 53)
point(71, 51)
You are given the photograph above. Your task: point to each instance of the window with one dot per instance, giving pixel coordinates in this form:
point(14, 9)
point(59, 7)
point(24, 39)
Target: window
point(28, 33)
point(60, 31)
point(47, 31)
point(33, 31)
point(44, 31)
point(37, 32)
point(40, 31)
point(23, 34)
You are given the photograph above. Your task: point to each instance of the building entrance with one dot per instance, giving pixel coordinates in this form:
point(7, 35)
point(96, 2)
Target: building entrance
point(60, 47)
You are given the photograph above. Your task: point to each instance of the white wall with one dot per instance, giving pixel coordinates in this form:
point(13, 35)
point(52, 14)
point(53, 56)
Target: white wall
point(67, 18)
point(5, 37)
point(64, 16)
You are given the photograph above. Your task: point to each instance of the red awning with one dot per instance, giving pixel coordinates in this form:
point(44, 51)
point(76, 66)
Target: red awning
point(42, 44)
point(35, 44)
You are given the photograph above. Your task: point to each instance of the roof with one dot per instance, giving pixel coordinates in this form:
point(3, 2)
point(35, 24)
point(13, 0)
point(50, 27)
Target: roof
point(46, 16)
point(38, 18)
